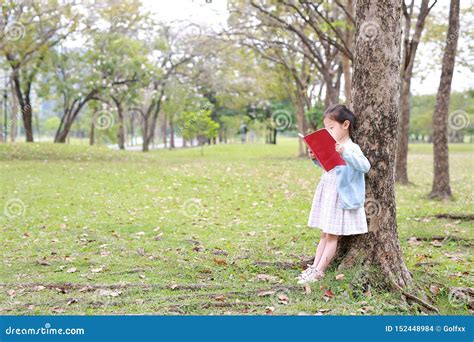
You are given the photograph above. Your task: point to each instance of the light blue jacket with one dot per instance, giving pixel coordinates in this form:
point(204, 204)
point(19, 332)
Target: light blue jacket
point(350, 177)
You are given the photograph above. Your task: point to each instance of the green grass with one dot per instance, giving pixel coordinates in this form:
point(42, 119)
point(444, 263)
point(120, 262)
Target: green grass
point(142, 230)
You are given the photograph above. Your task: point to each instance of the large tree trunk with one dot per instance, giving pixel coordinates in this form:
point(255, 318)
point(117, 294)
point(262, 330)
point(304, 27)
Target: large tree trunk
point(441, 187)
point(375, 94)
point(410, 47)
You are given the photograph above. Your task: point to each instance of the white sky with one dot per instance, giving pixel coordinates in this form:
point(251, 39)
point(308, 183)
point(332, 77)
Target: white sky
point(214, 13)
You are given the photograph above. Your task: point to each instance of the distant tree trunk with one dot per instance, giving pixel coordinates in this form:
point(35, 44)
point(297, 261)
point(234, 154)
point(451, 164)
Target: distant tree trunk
point(441, 187)
point(92, 134)
point(301, 121)
point(331, 92)
point(410, 47)
point(145, 143)
point(14, 114)
point(171, 123)
point(132, 128)
point(121, 124)
point(24, 100)
point(376, 94)
point(164, 130)
point(70, 114)
point(346, 62)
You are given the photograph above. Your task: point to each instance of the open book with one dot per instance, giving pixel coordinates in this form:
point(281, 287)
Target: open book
point(323, 146)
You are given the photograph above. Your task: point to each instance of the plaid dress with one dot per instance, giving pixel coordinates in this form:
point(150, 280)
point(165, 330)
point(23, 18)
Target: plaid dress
point(327, 216)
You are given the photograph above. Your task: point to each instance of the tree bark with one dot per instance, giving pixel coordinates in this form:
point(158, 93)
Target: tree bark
point(441, 185)
point(409, 53)
point(376, 94)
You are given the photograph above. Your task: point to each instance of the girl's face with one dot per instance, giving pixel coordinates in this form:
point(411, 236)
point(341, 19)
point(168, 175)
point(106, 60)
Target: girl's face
point(340, 131)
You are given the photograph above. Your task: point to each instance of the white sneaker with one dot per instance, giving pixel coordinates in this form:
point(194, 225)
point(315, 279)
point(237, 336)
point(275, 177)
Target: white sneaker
point(312, 276)
point(305, 272)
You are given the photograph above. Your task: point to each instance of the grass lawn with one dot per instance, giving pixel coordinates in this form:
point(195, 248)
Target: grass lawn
point(171, 232)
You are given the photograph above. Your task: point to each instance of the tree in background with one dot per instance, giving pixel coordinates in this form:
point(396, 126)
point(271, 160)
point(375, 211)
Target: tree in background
point(27, 32)
point(199, 125)
point(441, 187)
point(409, 48)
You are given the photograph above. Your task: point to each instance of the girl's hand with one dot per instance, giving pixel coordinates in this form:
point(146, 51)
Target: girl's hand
point(339, 148)
point(311, 155)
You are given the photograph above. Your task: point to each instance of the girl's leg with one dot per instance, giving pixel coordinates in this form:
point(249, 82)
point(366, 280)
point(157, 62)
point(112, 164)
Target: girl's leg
point(329, 251)
point(320, 248)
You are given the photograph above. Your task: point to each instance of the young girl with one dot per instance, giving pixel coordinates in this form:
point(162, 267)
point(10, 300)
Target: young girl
point(338, 203)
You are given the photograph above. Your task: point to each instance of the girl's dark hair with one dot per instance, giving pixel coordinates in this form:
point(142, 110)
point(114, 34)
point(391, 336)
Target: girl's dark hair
point(341, 113)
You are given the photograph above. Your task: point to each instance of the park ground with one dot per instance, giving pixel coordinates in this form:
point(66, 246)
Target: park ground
point(87, 230)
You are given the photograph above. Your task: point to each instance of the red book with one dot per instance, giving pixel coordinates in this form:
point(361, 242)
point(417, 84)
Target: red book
point(323, 146)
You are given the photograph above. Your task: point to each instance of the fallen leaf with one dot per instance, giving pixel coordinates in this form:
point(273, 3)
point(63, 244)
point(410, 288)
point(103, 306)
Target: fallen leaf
point(71, 301)
point(219, 298)
point(220, 261)
point(283, 299)
point(266, 293)
point(266, 277)
point(97, 270)
point(434, 289)
point(269, 310)
point(329, 293)
point(413, 241)
point(108, 293)
point(340, 276)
